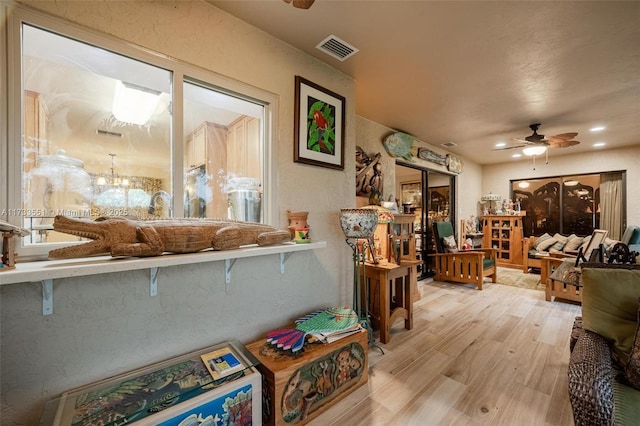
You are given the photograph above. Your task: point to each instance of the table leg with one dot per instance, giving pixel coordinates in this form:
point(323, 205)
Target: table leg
point(385, 307)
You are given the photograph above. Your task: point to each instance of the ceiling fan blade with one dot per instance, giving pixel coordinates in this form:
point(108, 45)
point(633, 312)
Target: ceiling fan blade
point(509, 147)
point(302, 4)
point(563, 136)
point(562, 144)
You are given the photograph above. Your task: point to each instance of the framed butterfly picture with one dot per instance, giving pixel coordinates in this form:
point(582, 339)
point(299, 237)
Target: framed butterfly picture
point(318, 126)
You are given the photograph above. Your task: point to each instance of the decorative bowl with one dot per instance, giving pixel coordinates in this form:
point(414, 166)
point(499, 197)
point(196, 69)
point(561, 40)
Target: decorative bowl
point(358, 223)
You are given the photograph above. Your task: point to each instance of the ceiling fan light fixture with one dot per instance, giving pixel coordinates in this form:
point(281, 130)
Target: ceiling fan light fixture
point(531, 151)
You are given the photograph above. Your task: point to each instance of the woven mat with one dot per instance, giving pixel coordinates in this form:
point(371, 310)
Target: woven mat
point(516, 278)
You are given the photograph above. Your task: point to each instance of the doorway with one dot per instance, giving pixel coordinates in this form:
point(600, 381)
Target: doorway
point(430, 195)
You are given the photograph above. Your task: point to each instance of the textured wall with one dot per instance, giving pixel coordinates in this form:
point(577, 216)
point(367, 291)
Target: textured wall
point(107, 324)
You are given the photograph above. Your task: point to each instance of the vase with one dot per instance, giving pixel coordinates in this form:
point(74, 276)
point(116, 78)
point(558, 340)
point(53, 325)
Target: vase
point(297, 220)
point(358, 223)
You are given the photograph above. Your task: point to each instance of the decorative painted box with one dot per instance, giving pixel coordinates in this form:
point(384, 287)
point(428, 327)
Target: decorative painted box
point(179, 391)
point(297, 388)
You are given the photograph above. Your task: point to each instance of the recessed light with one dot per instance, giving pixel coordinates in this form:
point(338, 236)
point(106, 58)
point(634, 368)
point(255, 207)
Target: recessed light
point(597, 129)
point(523, 184)
point(517, 155)
point(501, 144)
point(599, 144)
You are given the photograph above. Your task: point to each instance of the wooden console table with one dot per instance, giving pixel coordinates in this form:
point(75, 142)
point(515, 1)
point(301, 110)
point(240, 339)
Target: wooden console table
point(390, 294)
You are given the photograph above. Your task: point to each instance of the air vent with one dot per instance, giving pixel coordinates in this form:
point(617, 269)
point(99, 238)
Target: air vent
point(339, 49)
point(449, 144)
point(108, 133)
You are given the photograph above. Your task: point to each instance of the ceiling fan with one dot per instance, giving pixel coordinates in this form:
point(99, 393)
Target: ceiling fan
point(301, 4)
point(537, 144)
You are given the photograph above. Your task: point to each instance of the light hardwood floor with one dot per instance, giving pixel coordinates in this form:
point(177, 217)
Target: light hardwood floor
point(492, 357)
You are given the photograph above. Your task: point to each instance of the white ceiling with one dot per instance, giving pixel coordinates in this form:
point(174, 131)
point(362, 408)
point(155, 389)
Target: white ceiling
point(478, 72)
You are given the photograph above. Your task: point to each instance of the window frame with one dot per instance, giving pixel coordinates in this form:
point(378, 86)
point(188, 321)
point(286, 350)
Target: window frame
point(12, 112)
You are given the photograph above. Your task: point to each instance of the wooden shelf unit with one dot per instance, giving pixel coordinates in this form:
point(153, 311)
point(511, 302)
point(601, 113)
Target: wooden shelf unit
point(504, 232)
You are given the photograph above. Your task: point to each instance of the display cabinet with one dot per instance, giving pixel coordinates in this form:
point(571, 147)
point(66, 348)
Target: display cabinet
point(178, 391)
point(504, 233)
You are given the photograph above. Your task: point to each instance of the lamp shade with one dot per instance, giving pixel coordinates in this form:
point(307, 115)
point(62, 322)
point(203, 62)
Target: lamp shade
point(358, 223)
point(491, 197)
point(534, 150)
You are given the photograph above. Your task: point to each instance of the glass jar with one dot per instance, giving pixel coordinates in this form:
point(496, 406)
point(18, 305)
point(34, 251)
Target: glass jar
point(58, 185)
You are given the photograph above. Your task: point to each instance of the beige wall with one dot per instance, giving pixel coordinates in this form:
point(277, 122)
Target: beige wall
point(108, 324)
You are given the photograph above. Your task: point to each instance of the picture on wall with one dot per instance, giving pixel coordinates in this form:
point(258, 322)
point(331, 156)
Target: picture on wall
point(318, 125)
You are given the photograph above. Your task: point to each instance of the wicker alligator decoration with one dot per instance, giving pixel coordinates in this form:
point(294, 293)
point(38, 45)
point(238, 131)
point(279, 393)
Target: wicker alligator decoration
point(126, 237)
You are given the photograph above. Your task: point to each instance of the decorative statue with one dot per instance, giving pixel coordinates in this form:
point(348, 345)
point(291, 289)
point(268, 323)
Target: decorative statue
point(368, 173)
point(126, 237)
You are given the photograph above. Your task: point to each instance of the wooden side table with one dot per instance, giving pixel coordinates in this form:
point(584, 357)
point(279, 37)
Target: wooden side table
point(390, 294)
point(565, 281)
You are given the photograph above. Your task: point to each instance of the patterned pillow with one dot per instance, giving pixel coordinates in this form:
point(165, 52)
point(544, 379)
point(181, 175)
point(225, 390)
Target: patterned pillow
point(540, 239)
point(632, 371)
point(561, 241)
point(546, 244)
point(450, 245)
point(573, 243)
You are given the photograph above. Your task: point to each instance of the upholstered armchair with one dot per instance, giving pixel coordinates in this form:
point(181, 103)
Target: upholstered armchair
point(468, 266)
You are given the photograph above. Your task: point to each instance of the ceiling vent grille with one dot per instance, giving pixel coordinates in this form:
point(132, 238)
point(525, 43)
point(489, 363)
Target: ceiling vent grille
point(339, 49)
point(449, 144)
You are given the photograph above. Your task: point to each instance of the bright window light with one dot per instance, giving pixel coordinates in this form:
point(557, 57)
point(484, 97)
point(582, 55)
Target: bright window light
point(134, 104)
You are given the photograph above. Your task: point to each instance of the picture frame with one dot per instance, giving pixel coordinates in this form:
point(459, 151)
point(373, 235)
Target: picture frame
point(318, 125)
point(411, 192)
point(597, 237)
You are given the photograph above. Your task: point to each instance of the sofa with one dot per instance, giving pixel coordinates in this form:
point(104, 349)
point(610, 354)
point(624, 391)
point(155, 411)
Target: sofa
point(557, 245)
point(604, 365)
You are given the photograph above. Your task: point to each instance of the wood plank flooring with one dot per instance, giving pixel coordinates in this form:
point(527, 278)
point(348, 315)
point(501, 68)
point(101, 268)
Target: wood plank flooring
point(492, 357)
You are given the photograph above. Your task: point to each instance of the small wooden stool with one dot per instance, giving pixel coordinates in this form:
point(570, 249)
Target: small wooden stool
point(390, 294)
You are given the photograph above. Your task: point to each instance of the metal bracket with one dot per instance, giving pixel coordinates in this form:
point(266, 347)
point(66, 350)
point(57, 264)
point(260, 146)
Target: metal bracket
point(47, 297)
point(228, 264)
point(283, 259)
point(153, 281)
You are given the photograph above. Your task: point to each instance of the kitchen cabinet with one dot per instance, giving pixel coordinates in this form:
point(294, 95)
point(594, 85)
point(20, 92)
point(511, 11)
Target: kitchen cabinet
point(504, 232)
point(206, 148)
point(244, 150)
point(36, 125)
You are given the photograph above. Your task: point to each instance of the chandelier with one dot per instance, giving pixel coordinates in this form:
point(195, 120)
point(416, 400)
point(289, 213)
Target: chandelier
point(112, 179)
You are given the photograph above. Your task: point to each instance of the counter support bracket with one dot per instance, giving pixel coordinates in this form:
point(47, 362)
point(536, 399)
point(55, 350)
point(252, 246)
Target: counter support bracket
point(47, 296)
point(283, 259)
point(153, 281)
point(228, 264)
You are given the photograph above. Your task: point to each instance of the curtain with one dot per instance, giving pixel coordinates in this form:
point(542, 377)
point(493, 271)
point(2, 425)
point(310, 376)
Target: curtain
point(611, 204)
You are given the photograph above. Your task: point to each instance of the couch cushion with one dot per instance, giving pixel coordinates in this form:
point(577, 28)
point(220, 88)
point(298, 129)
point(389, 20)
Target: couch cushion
point(573, 244)
point(609, 306)
point(540, 239)
point(546, 244)
point(632, 370)
point(561, 241)
point(449, 244)
point(626, 404)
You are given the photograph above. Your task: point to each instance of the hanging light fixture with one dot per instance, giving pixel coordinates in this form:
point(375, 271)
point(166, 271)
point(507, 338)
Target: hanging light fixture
point(113, 179)
point(534, 150)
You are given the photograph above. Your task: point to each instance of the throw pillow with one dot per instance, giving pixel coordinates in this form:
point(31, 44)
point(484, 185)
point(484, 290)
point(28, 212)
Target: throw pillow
point(540, 239)
point(450, 245)
point(632, 371)
point(546, 244)
point(610, 306)
point(574, 243)
point(561, 241)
